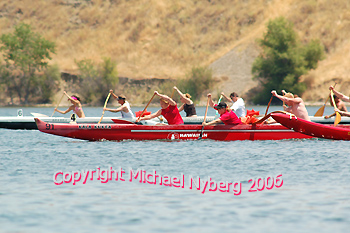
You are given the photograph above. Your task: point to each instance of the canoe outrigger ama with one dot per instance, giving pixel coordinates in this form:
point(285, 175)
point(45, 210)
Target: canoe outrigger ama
point(311, 128)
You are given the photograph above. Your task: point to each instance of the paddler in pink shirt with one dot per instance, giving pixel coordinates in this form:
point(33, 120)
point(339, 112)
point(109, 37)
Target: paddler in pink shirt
point(227, 116)
point(76, 106)
point(168, 109)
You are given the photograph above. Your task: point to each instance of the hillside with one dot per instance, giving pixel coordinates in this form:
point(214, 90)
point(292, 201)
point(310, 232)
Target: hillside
point(165, 39)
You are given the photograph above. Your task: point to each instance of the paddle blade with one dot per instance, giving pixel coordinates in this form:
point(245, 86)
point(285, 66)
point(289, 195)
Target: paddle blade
point(320, 112)
point(337, 114)
point(216, 112)
point(337, 119)
point(201, 134)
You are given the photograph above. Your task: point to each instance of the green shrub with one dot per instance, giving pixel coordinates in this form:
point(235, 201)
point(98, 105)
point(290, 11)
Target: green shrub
point(198, 80)
point(95, 81)
point(25, 54)
point(283, 60)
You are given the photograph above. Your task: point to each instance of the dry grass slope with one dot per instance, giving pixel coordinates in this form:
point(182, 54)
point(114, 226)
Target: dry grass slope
point(165, 39)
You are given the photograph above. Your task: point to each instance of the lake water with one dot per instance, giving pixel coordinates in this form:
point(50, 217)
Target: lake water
point(314, 195)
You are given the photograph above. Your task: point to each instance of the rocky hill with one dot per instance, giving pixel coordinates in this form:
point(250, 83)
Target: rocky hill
point(165, 39)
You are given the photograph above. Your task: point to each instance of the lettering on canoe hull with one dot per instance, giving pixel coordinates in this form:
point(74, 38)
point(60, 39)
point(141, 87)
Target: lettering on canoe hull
point(95, 127)
point(175, 136)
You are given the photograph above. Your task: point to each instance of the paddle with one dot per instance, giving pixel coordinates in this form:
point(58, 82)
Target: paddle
point(57, 105)
point(216, 112)
point(320, 111)
point(268, 106)
point(109, 94)
point(146, 107)
point(266, 117)
point(337, 114)
point(205, 117)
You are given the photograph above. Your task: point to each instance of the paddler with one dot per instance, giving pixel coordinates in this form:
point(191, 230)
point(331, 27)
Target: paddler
point(76, 106)
point(295, 105)
point(342, 97)
point(227, 116)
point(124, 109)
point(187, 104)
point(168, 109)
point(238, 105)
point(339, 104)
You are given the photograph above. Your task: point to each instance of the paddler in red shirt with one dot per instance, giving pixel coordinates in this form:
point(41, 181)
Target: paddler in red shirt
point(227, 116)
point(168, 109)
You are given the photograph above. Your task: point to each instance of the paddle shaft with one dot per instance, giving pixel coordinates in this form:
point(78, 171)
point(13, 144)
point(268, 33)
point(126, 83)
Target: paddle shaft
point(216, 112)
point(57, 105)
point(337, 115)
point(146, 107)
point(266, 117)
point(206, 111)
point(268, 106)
point(320, 111)
point(109, 94)
point(205, 118)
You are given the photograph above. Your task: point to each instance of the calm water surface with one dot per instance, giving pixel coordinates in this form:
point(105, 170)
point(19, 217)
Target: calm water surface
point(314, 196)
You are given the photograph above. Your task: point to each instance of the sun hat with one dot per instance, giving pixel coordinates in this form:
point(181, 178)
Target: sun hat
point(220, 105)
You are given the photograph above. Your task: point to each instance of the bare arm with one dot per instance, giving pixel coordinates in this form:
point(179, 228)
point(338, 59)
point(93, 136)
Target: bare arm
point(178, 91)
point(225, 96)
point(151, 116)
point(114, 95)
point(64, 112)
point(285, 99)
point(339, 94)
point(121, 108)
point(170, 100)
point(187, 100)
point(214, 122)
point(211, 102)
point(329, 116)
point(181, 107)
point(70, 98)
point(342, 112)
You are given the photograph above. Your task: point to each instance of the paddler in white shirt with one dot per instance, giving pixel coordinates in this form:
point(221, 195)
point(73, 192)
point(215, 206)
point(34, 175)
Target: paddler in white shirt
point(124, 109)
point(238, 105)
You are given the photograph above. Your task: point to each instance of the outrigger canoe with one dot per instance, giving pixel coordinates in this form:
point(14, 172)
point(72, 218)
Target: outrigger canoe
point(28, 122)
point(311, 128)
point(119, 132)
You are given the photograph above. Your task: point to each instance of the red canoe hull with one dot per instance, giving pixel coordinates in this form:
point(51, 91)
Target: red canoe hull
point(119, 132)
point(340, 132)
